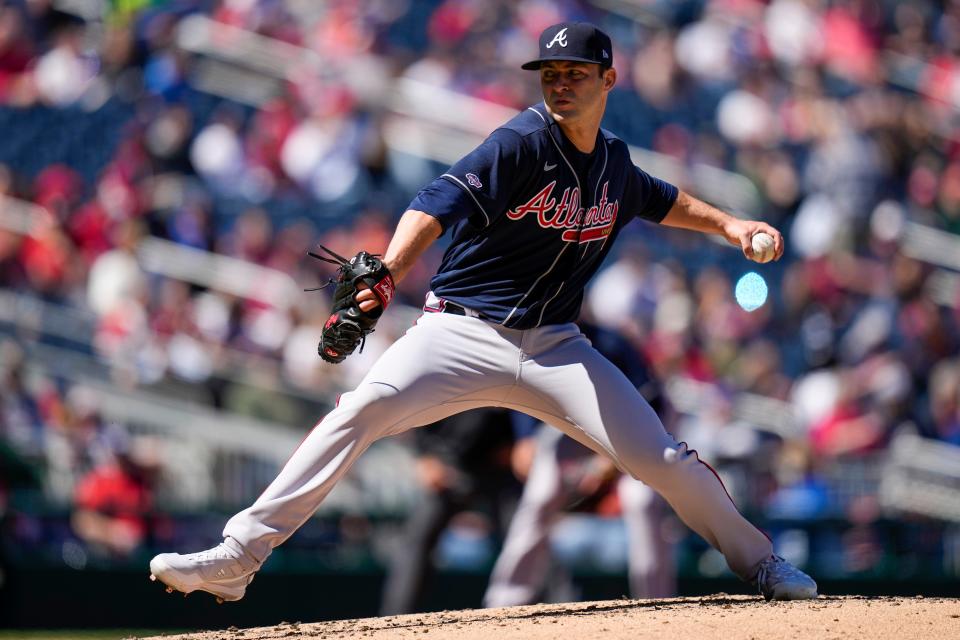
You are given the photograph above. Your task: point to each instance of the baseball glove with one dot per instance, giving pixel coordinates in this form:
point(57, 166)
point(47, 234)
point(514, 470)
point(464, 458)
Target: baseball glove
point(347, 325)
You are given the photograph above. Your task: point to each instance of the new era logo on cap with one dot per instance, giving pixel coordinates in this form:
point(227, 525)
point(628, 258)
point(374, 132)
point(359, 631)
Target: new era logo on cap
point(576, 41)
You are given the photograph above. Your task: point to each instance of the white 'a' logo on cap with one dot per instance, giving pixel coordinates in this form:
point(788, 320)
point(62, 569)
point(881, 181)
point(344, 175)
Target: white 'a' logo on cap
point(560, 38)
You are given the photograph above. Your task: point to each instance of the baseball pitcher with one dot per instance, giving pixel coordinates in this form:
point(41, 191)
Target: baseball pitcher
point(532, 211)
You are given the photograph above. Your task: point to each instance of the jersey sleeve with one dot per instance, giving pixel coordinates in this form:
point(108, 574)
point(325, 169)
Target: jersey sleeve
point(480, 185)
point(648, 197)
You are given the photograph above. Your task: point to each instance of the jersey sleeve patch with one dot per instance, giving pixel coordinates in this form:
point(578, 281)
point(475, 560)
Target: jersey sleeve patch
point(472, 180)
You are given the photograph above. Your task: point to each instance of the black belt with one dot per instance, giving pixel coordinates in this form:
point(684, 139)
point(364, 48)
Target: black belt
point(445, 306)
point(454, 308)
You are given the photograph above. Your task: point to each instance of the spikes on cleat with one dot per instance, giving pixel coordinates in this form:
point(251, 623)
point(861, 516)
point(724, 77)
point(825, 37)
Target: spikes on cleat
point(153, 578)
point(169, 589)
point(219, 600)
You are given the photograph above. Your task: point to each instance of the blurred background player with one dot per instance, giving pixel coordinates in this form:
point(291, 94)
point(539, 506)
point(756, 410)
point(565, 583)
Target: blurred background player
point(463, 462)
point(566, 476)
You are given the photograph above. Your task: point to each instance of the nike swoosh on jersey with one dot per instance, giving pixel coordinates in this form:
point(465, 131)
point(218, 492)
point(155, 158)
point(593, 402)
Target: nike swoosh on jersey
point(549, 167)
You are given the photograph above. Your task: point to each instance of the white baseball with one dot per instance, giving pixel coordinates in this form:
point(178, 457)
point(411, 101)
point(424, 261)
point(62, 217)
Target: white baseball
point(763, 250)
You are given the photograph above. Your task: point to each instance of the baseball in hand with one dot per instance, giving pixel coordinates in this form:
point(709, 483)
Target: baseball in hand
point(763, 249)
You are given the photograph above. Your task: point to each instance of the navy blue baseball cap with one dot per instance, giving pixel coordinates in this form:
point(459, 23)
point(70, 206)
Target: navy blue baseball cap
point(576, 41)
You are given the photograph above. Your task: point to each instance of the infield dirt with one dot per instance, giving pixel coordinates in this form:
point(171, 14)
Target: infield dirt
point(694, 618)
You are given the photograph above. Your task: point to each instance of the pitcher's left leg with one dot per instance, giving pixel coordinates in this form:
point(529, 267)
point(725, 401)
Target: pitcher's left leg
point(593, 395)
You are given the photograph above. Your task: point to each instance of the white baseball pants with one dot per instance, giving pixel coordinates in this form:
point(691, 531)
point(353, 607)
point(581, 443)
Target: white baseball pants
point(449, 363)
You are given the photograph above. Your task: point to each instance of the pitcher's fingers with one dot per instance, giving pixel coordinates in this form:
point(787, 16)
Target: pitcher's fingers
point(777, 240)
point(778, 245)
point(746, 245)
point(368, 301)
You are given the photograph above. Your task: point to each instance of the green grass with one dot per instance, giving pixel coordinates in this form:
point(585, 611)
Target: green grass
point(81, 634)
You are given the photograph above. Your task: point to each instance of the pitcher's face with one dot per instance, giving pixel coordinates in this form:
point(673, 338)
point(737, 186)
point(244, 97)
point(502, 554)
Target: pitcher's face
point(572, 90)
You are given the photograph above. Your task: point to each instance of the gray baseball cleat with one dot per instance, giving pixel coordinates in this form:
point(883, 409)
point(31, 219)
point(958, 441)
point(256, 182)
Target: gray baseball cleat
point(777, 579)
point(223, 571)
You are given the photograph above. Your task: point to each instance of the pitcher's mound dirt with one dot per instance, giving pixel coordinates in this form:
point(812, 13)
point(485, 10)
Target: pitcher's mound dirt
point(695, 618)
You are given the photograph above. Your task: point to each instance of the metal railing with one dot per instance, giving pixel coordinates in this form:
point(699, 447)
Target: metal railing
point(922, 477)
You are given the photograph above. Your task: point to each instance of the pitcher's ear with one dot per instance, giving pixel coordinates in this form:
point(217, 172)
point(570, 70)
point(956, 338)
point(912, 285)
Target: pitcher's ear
point(609, 77)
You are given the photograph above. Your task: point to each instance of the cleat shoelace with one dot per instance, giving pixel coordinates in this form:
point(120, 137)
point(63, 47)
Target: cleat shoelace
point(210, 556)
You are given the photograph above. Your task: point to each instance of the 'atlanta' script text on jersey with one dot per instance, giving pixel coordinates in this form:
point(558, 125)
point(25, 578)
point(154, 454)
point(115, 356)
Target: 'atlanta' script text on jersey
point(579, 224)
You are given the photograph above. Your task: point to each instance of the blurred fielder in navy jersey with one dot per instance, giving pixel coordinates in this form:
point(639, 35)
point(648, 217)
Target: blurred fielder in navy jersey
point(463, 463)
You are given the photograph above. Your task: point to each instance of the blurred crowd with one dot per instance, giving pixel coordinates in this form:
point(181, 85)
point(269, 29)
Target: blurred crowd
point(842, 114)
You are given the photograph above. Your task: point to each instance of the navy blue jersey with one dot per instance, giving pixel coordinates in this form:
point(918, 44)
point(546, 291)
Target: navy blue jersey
point(533, 217)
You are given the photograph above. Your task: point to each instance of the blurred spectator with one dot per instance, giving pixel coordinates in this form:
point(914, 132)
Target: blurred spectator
point(21, 424)
point(114, 500)
point(64, 72)
point(800, 494)
point(166, 139)
point(945, 401)
point(116, 276)
point(49, 262)
point(251, 237)
point(16, 53)
point(217, 153)
point(75, 439)
point(852, 426)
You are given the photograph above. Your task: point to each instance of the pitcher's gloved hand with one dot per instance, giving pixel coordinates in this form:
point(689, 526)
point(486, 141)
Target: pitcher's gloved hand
point(348, 325)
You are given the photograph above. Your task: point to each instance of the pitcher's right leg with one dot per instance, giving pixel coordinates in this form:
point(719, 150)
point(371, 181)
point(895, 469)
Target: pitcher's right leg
point(443, 365)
